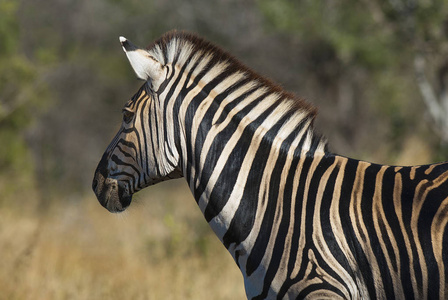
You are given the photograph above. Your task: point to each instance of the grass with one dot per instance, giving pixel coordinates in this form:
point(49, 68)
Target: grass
point(161, 248)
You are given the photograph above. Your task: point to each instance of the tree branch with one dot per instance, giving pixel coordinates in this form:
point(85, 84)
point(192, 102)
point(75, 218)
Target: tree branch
point(429, 97)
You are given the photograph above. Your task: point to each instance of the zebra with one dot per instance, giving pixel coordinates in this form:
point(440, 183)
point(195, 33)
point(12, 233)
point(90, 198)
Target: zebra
point(299, 221)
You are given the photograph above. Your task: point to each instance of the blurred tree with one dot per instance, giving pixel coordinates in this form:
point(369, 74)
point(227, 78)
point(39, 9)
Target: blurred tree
point(367, 53)
point(21, 94)
point(424, 26)
point(73, 41)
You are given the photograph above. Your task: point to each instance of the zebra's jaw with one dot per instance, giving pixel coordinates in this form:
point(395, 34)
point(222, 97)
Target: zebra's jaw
point(111, 193)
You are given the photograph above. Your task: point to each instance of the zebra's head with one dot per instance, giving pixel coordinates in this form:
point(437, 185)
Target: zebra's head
point(141, 154)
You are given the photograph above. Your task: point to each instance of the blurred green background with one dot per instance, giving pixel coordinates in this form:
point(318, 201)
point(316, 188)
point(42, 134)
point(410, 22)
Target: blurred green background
point(376, 69)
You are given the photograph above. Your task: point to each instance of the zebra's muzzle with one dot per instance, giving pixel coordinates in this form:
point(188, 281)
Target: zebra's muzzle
point(111, 193)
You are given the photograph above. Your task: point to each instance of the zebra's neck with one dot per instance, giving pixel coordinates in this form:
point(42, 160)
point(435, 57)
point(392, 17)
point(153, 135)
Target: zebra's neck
point(235, 128)
point(216, 89)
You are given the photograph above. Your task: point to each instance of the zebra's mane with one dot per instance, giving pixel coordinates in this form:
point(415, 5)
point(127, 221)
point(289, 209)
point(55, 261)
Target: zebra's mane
point(174, 44)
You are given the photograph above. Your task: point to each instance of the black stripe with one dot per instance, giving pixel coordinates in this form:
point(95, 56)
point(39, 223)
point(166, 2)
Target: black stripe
point(285, 223)
point(369, 188)
point(388, 187)
point(124, 152)
point(350, 173)
point(298, 214)
point(217, 147)
point(191, 109)
point(119, 162)
point(445, 248)
point(129, 145)
point(206, 122)
point(328, 230)
point(129, 46)
point(226, 180)
point(324, 286)
point(244, 217)
point(143, 112)
point(268, 219)
point(174, 128)
point(154, 137)
point(313, 187)
point(428, 211)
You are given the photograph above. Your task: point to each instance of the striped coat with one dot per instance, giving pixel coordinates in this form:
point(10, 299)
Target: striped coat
point(299, 221)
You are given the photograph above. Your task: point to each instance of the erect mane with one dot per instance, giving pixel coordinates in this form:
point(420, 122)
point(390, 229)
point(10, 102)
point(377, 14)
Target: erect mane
point(174, 43)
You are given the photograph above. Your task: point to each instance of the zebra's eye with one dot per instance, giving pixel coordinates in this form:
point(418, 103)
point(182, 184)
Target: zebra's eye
point(127, 116)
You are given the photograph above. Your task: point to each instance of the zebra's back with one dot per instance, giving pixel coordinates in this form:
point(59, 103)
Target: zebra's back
point(370, 231)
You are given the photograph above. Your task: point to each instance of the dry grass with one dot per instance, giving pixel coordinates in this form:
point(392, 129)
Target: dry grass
point(161, 248)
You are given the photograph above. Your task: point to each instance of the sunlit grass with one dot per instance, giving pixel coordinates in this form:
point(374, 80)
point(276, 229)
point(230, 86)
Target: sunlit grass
point(161, 248)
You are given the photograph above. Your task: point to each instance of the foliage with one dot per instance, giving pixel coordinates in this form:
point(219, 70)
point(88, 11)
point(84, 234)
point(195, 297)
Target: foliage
point(378, 39)
point(345, 25)
point(21, 94)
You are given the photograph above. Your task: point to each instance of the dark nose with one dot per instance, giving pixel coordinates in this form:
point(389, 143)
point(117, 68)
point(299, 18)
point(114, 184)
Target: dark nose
point(111, 193)
point(100, 176)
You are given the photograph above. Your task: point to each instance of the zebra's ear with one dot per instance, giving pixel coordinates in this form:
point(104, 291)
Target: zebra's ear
point(145, 66)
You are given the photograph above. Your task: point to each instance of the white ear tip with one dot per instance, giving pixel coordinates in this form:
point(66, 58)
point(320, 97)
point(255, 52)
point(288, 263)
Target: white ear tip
point(123, 42)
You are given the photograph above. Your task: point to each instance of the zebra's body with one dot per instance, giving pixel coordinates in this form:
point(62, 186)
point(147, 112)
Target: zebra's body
point(299, 221)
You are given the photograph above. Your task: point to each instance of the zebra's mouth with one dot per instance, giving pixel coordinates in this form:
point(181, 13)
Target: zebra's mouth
point(111, 193)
